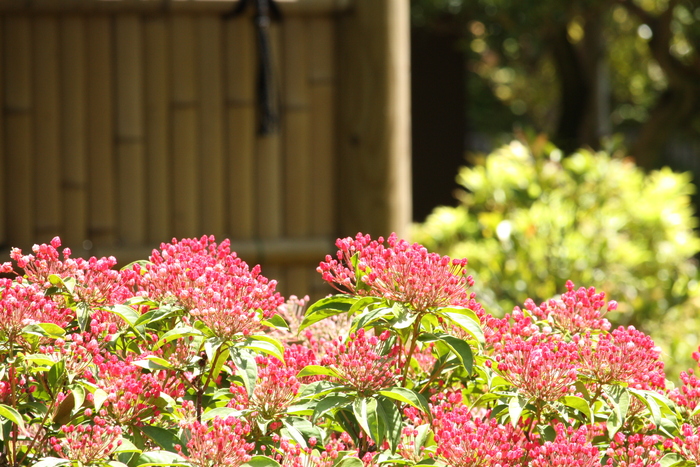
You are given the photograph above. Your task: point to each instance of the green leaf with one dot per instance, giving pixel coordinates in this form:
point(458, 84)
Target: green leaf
point(248, 369)
point(290, 431)
point(276, 322)
point(349, 462)
point(329, 306)
point(459, 347)
point(78, 396)
point(99, 398)
point(365, 410)
point(329, 403)
point(51, 462)
point(515, 408)
point(265, 344)
point(176, 333)
point(45, 330)
point(392, 421)
point(125, 312)
point(403, 317)
point(370, 316)
point(151, 362)
point(166, 439)
point(40, 359)
point(12, 415)
point(407, 396)
point(580, 404)
point(465, 319)
point(56, 374)
point(672, 459)
point(153, 316)
point(261, 461)
point(159, 458)
point(221, 412)
point(126, 446)
point(319, 389)
point(620, 400)
point(317, 370)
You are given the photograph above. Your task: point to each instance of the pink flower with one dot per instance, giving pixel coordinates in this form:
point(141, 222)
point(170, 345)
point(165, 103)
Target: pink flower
point(364, 362)
point(635, 450)
point(576, 311)
point(221, 443)
point(464, 440)
point(401, 272)
point(625, 355)
point(542, 367)
point(688, 445)
point(88, 443)
point(571, 448)
point(212, 284)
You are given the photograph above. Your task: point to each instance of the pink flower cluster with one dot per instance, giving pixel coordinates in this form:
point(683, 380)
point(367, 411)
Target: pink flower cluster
point(465, 440)
point(212, 283)
point(219, 444)
point(88, 443)
point(542, 367)
point(576, 311)
point(401, 272)
point(364, 362)
point(571, 448)
point(635, 450)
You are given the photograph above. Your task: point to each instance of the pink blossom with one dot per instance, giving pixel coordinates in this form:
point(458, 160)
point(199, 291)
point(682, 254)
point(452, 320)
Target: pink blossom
point(88, 443)
point(635, 450)
point(401, 272)
point(220, 443)
point(571, 448)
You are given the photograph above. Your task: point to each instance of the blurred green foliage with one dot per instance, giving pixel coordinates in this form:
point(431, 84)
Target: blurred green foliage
point(530, 219)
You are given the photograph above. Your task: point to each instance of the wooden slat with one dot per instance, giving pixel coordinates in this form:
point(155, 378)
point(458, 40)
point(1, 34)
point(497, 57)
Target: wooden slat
point(158, 167)
point(102, 224)
point(269, 159)
point(73, 156)
point(185, 127)
point(209, 51)
point(323, 151)
point(159, 6)
point(46, 128)
point(18, 131)
point(129, 127)
point(297, 151)
point(240, 97)
point(3, 167)
point(374, 117)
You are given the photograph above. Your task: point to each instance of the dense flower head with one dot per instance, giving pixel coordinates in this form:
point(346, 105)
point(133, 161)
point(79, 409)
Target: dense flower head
point(22, 304)
point(96, 282)
point(87, 443)
point(625, 355)
point(401, 272)
point(688, 395)
point(542, 367)
point(276, 388)
point(465, 440)
point(576, 310)
point(363, 361)
point(570, 448)
point(212, 284)
point(221, 442)
point(290, 454)
point(635, 450)
point(688, 444)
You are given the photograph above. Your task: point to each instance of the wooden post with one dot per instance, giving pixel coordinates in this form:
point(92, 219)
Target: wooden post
point(374, 118)
point(102, 223)
point(157, 117)
point(46, 128)
point(19, 160)
point(211, 206)
point(185, 127)
point(297, 134)
point(129, 125)
point(3, 167)
point(240, 98)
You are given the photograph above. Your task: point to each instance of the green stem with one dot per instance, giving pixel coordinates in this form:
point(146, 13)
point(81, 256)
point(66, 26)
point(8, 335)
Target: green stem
point(411, 349)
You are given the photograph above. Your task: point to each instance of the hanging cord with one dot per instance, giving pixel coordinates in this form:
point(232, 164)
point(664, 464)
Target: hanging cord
point(265, 11)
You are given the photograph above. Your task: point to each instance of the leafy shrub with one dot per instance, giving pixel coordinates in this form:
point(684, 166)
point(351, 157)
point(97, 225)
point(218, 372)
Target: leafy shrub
point(187, 360)
point(529, 220)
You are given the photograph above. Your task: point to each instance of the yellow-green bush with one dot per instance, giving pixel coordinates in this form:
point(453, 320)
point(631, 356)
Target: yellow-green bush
point(529, 221)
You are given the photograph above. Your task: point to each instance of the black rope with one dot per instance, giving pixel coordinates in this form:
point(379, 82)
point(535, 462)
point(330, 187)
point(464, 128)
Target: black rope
point(265, 11)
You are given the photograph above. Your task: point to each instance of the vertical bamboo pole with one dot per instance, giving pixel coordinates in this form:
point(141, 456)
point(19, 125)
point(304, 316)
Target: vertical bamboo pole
point(102, 227)
point(3, 168)
point(297, 173)
point(240, 97)
point(72, 53)
point(129, 128)
point(374, 117)
point(321, 36)
point(210, 125)
point(18, 130)
point(159, 171)
point(322, 84)
point(185, 127)
point(46, 128)
point(269, 169)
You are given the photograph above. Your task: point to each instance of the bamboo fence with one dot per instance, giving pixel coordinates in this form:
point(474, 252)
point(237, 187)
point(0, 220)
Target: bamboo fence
point(126, 123)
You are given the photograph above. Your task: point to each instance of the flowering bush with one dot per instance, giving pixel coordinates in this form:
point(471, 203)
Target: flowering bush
point(188, 359)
